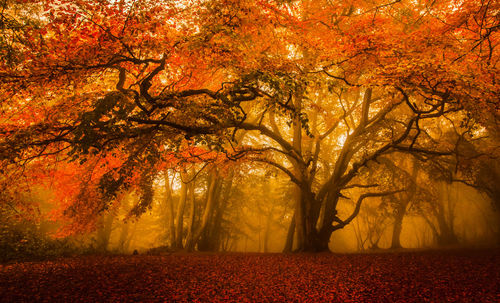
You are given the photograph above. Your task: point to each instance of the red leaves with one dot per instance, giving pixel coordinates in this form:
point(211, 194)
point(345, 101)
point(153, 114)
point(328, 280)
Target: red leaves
point(411, 277)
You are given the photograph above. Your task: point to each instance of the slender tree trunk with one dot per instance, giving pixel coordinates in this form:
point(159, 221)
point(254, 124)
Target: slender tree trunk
point(104, 233)
point(124, 235)
point(179, 222)
point(189, 236)
point(125, 228)
point(289, 236)
point(170, 207)
point(267, 230)
point(360, 243)
point(128, 241)
point(433, 227)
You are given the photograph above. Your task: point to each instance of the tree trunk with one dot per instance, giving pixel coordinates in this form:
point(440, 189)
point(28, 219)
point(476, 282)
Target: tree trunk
point(216, 232)
point(447, 235)
point(313, 242)
point(208, 239)
point(300, 217)
point(209, 208)
point(267, 230)
point(289, 236)
point(403, 204)
point(104, 233)
point(329, 215)
point(179, 222)
point(170, 209)
point(125, 228)
point(189, 236)
point(124, 235)
point(321, 240)
point(398, 227)
point(300, 207)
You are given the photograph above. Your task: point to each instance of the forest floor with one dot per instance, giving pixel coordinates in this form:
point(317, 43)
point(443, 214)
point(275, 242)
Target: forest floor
point(435, 276)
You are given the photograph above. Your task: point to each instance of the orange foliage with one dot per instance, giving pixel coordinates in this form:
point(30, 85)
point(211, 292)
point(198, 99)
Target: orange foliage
point(74, 54)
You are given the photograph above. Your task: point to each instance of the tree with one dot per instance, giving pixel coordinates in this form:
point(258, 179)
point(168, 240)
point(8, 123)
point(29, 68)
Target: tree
point(403, 177)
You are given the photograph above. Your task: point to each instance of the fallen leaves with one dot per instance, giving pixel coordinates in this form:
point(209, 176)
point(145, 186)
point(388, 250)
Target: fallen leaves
point(401, 277)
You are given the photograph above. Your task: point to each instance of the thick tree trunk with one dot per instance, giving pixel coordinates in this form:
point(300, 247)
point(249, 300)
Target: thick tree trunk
point(300, 218)
point(322, 239)
point(441, 232)
point(216, 234)
point(445, 218)
point(208, 241)
point(209, 208)
point(300, 207)
point(403, 201)
point(446, 235)
point(313, 241)
point(396, 232)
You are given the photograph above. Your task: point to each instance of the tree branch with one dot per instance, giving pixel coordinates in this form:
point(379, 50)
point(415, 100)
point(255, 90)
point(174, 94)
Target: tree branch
point(342, 223)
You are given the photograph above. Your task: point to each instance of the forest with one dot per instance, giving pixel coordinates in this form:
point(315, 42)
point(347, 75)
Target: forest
point(226, 131)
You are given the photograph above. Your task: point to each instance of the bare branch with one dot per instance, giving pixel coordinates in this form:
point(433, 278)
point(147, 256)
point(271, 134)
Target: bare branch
point(342, 223)
point(280, 167)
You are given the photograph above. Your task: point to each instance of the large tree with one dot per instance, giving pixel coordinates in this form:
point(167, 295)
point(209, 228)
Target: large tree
point(111, 86)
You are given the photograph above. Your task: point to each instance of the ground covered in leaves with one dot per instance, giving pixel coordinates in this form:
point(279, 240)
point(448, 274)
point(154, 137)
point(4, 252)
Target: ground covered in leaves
point(388, 277)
